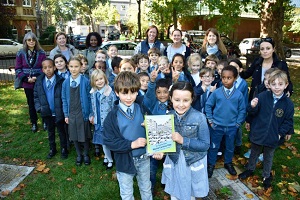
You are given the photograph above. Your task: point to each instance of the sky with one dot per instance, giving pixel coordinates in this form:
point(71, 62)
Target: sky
point(297, 2)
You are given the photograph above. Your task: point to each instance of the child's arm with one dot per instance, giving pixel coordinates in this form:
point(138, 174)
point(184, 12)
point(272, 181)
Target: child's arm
point(288, 122)
point(37, 103)
point(210, 104)
point(150, 97)
point(64, 100)
point(241, 111)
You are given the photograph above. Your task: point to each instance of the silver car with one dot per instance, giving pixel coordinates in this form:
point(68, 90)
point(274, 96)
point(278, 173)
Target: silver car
point(9, 48)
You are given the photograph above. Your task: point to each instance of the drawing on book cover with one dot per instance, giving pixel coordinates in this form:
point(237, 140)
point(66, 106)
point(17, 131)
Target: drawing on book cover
point(159, 129)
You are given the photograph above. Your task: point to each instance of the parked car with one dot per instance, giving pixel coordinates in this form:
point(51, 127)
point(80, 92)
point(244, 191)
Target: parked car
point(251, 46)
point(194, 39)
point(79, 42)
point(125, 48)
point(9, 48)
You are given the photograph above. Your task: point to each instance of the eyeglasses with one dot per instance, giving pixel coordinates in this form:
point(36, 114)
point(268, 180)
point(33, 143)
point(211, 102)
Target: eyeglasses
point(31, 40)
point(207, 77)
point(267, 39)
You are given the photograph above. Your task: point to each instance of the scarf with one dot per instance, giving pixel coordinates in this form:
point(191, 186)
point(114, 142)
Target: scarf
point(212, 49)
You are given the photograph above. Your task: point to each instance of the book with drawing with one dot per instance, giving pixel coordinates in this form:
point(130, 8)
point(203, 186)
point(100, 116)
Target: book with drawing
point(159, 129)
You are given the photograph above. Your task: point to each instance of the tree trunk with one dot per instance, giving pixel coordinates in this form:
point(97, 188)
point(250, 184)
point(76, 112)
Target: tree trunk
point(272, 21)
point(139, 19)
point(174, 18)
point(162, 31)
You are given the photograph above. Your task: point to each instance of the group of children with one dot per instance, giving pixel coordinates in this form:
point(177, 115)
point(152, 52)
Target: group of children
point(209, 104)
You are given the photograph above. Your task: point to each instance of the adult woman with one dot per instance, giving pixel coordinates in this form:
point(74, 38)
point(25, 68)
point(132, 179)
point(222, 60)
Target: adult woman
point(93, 42)
point(28, 67)
point(62, 47)
point(177, 46)
point(212, 44)
point(151, 41)
point(267, 59)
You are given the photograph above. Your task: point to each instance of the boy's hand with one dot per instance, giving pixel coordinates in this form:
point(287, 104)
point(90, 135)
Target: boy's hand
point(247, 126)
point(158, 156)
point(140, 142)
point(92, 120)
point(203, 87)
point(175, 75)
point(176, 137)
point(213, 88)
point(67, 120)
point(288, 94)
point(153, 75)
point(254, 102)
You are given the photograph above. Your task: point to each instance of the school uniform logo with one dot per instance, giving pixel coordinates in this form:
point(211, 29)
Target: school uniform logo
point(279, 112)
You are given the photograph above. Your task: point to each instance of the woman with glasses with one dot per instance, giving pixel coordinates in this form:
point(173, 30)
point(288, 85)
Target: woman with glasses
point(62, 47)
point(28, 67)
point(267, 59)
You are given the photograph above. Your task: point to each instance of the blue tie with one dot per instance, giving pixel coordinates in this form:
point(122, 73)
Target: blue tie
point(162, 106)
point(152, 68)
point(228, 92)
point(275, 100)
point(73, 84)
point(63, 75)
point(129, 112)
point(98, 96)
point(48, 84)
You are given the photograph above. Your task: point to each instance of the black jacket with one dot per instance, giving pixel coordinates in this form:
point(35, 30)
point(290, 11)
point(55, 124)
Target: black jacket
point(255, 71)
point(40, 99)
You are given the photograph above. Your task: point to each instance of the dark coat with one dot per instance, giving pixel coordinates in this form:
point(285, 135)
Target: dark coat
point(40, 99)
point(255, 71)
point(268, 121)
point(115, 141)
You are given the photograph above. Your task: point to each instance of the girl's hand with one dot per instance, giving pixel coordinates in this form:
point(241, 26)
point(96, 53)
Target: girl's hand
point(67, 120)
point(176, 137)
point(92, 120)
point(247, 126)
point(254, 102)
point(140, 142)
point(158, 156)
point(153, 75)
point(288, 137)
point(175, 75)
point(213, 88)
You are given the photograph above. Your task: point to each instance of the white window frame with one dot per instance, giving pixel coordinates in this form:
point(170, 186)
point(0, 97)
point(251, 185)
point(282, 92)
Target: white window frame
point(8, 2)
point(26, 3)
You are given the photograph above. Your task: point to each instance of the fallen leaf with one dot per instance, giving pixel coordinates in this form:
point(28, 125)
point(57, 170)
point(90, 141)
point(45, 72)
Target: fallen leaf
point(5, 193)
point(249, 196)
point(282, 147)
point(248, 145)
point(74, 171)
point(79, 186)
point(268, 192)
point(16, 189)
point(41, 167)
point(22, 185)
point(260, 192)
point(46, 171)
point(293, 194)
point(231, 177)
point(69, 179)
point(298, 173)
point(59, 163)
point(289, 157)
point(294, 187)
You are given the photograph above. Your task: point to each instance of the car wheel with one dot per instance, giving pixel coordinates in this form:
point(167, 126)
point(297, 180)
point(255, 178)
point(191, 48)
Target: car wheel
point(288, 54)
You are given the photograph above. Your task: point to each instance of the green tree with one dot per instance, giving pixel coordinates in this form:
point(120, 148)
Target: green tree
point(295, 27)
point(6, 14)
point(105, 13)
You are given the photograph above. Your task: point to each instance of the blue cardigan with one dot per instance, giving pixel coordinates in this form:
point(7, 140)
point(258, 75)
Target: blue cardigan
point(226, 111)
point(85, 98)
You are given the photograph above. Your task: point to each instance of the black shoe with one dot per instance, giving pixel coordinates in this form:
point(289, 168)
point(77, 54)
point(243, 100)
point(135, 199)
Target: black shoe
point(105, 162)
point(52, 153)
point(97, 154)
point(109, 166)
point(237, 150)
point(210, 170)
point(34, 128)
point(79, 160)
point(64, 153)
point(45, 126)
point(245, 174)
point(230, 168)
point(87, 160)
point(267, 182)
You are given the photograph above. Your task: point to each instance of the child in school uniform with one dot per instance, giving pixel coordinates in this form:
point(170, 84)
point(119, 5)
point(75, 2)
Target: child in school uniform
point(112, 52)
point(271, 115)
point(211, 61)
point(225, 111)
point(203, 89)
point(144, 79)
point(180, 71)
point(185, 171)
point(127, 65)
point(153, 54)
point(126, 137)
point(143, 64)
point(242, 86)
point(61, 64)
point(164, 69)
point(102, 98)
point(47, 101)
point(195, 64)
point(115, 62)
point(157, 101)
point(77, 110)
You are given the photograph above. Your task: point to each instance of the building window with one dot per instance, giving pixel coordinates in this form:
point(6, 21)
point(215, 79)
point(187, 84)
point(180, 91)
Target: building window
point(8, 2)
point(14, 32)
point(27, 29)
point(27, 3)
point(123, 7)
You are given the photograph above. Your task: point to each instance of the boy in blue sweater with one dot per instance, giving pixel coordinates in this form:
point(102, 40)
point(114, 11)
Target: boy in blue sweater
point(271, 115)
point(126, 137)
point(225, 111)
point(47, 101)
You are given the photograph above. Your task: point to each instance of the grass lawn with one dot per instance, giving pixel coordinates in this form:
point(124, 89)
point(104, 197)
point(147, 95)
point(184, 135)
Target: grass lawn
point(61, 179)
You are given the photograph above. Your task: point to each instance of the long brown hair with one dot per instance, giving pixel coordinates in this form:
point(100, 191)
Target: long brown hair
point(219, 42)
